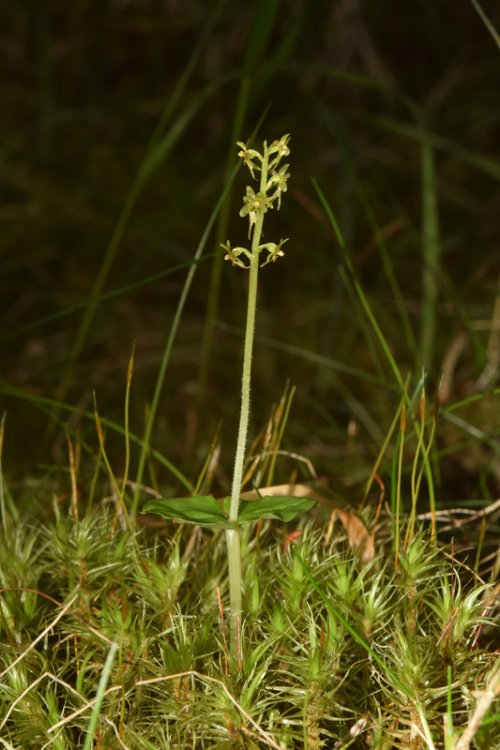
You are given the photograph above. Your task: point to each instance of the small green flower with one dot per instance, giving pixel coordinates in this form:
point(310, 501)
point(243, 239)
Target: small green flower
point(279, 179)
point(255, 204)
point(274, 251)
point(280, 148)
point(233, 254)
point(248, 154)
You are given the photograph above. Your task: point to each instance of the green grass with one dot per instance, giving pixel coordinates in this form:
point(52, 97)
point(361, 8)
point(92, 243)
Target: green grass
point(330, 647)
point(119, 636)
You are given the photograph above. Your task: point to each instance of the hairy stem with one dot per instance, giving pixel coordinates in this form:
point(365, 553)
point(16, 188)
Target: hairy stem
point(233, 535)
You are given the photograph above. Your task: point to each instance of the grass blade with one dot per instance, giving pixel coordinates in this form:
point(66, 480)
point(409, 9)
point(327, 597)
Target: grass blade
point(94, 717)
point(431, 249)
point(170, 342)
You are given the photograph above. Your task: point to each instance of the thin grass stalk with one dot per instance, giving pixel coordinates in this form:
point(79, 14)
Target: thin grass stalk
point(121, 507)
point(378, 331)
point(110, 295)
point(481, 163)
point(210, 463)
point(94, 717)
point(72, 474)
point(416, 476)
point(221, 232)
point(7, 745)
point(427, 468)
point(382, 451)
point(265, 447)
point(484, 700)
point(416, 480)
point(156, 152)
point(431, 248)
point(144, 172)
point(126, 468)
point(46, 404)
point(359, 289)
point(480, 542)
point(430, 481)
point(313, 357)
point(167, 351)
point(287, 398)
point(2, 495)
point(449, 740)
point(399, 477)
point(485, 19)
point(386, 261)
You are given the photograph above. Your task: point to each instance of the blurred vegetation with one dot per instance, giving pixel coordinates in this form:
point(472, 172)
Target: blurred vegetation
point(116, 138)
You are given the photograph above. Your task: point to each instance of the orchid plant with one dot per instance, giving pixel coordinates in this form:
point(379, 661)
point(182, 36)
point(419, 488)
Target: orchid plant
point(266, 167)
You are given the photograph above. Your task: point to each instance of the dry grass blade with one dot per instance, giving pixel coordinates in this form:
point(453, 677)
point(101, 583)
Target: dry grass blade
point(485, 699)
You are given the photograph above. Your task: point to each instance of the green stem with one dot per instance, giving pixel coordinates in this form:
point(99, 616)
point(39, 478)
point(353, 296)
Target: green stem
point(233, 535)
point(246, 379)
point(234, 565)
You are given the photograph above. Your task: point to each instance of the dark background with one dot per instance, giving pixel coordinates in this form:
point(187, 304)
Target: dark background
point(356, 84)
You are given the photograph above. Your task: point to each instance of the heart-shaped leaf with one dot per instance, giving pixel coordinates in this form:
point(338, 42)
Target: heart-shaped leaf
point(203, 510)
